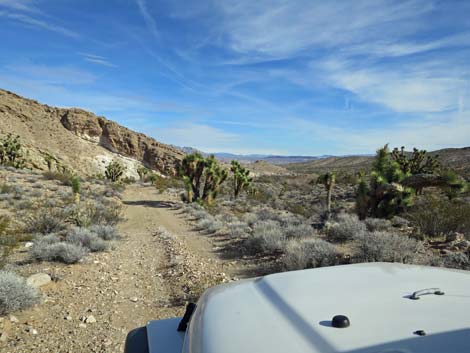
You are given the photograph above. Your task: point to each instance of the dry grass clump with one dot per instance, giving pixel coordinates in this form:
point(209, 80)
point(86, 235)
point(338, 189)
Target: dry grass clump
point(237, 229)
point(309, 253)
point(15, 293)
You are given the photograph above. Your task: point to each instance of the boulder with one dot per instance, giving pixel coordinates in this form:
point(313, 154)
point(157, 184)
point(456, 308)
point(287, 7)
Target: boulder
point(39, 279)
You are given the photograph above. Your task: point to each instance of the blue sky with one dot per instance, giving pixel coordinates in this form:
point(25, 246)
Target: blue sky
point(275, 77)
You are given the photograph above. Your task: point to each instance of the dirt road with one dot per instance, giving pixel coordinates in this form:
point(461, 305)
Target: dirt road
point(149, 275)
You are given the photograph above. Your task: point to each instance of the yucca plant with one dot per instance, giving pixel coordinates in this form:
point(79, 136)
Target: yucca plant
point(241, 178)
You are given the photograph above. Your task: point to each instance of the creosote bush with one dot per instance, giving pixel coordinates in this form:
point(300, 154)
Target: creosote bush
point(15, 293)
point(45, 220)
point(435, 217)
point(309, 253)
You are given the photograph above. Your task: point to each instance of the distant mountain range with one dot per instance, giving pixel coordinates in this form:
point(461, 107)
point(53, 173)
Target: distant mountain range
point(251, 158)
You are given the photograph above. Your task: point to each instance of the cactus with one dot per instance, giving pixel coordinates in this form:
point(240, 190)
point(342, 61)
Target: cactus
point(11, 153)
point(202, 177)
point(76, 188)
point(241, 178)
point(114, 171)
point(328, 180)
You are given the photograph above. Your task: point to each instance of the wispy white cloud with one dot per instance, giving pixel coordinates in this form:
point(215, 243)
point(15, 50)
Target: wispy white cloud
point(20, 5)
point(97, 59)
point(434, 132)
point(148, 18)
point(34, 22)
point(287, 28)
point(415, 88)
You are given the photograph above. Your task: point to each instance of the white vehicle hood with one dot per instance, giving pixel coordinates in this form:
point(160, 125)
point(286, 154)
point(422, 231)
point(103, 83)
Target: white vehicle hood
point(292, 312)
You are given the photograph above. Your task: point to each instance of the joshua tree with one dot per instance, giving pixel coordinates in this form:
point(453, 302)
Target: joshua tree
point(417, 162)
point(241, 178)
point(191, 170)
point(328, 180)
point(114, 171)
point(394, 181)
point(202, 177)
point(215, 175)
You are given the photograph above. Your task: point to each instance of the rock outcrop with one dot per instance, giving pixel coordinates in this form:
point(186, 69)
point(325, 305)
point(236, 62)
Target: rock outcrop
point(80, 139)
point(121, 140)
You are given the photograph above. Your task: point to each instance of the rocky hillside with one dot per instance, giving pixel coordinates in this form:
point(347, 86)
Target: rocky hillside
point(79, 139)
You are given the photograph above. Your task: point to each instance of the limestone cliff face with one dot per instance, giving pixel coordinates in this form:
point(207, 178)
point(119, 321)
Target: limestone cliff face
point(80, 138)
point(121, 140)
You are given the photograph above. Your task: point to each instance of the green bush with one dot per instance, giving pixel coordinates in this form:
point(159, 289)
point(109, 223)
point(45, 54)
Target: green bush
point(15, 293)
point(435, 217)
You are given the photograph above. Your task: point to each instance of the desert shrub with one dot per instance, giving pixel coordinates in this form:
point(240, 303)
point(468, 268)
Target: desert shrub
point(237, 229)
point(87, 239)
point(105, 232)
point(266, 214)
point(89, 213)
point(15, 293)
point(6, 189)
point(377, 224)
point(8, 240)
point(345, 228)
point(47, 239)
point(386, 247)
point(65, 178)
point(210, 224)
point(199, 214)
point(250, 218)
point(297, 230)
point(45, 220)
point(309, 253)
point(60, 252)
point(271, 236)
point(437, 217)
point(456, 260)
